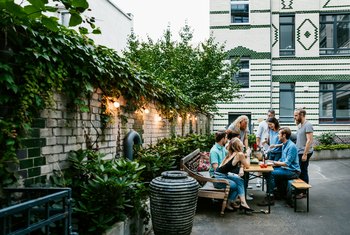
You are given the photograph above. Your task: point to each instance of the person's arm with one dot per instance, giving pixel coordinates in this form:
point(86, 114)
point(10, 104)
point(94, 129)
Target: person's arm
point(214, 160)
point(309, 140)
point(291, 154)
point(259, 134)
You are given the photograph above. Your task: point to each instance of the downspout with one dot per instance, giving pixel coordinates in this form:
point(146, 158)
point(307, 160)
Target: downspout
point(130, 139)
point(271, 54)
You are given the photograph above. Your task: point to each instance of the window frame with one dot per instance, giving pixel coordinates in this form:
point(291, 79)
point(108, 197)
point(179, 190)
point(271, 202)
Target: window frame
point(287, 52)
point(287, 119)
point(243, 70)
point(333, 119)
point(334, 50)
point(239, 2)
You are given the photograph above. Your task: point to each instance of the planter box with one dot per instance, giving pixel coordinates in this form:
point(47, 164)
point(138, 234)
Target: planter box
point(131, 225)
point(331, 154)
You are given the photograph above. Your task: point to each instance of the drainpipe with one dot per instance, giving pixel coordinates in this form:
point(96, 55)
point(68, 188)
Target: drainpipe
point(271, 54)
point(130, 139)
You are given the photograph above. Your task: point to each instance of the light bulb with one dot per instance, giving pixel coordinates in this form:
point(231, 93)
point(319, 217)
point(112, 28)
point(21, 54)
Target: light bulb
point(116, 104)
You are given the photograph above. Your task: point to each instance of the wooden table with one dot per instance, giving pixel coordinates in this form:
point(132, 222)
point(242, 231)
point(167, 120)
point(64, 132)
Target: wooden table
point(257, 168)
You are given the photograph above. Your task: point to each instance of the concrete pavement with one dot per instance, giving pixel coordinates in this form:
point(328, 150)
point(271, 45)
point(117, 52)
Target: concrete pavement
point(329, 208)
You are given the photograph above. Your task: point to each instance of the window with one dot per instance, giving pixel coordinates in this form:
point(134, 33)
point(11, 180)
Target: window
point(287, 102)
point(287, 41)
point(335, 102)
point(334, 34)
point(64, 18)
point(239, 11)
point(242, 76)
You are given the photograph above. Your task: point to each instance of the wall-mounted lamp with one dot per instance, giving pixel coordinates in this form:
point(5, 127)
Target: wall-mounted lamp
point(116, 104)
point(157, 118)
point(146, 111)
point(306, 88)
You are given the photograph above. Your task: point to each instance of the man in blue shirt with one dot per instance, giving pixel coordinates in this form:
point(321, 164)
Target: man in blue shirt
point(218, 151)
point(284, 169)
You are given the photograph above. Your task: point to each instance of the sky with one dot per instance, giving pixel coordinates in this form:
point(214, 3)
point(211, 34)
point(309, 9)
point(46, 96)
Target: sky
point(152, 17)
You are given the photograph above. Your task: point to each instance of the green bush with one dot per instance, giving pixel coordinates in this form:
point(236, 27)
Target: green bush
point(332, 147)
point(167, 153)
point(326, 138)
point(104, 191)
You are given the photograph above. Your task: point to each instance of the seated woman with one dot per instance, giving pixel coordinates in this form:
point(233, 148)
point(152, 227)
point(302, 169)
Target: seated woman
point(231, 166)
point(275, 144)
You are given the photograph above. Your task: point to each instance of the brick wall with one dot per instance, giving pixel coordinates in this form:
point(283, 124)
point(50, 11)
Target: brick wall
point(60, 130)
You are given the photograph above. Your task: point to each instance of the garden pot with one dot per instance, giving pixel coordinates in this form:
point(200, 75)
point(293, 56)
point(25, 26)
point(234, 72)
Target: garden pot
point(173, 203)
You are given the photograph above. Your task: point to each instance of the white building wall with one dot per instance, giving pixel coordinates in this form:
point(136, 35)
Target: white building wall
point(260, 39)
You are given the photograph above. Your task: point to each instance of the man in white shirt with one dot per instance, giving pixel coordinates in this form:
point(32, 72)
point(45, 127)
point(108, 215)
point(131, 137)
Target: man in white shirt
point(262, 133)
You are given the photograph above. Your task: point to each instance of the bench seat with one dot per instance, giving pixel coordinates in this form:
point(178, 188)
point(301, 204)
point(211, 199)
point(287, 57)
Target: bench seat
point(207, 190)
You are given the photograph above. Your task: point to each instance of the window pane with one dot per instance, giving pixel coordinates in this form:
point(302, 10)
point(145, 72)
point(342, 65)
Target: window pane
point(244, 64)
point(326, 86)
point(342, 86)
point(286, 86)
point(287, 19)
point(342, 104)
point(326, 36)
point(243, 79)
point(343, 35)
point(326, 104)
point(239, 13)
point(287, 37)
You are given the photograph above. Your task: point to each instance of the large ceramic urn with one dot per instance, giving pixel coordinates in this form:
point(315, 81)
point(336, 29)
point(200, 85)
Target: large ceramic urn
point(173, 203)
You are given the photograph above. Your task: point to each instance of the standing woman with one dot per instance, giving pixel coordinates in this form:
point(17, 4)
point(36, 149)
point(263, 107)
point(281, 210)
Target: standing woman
point(231, 169)
point(275, 144)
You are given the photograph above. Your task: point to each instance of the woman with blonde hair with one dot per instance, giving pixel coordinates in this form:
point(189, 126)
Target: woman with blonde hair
point(231, 169)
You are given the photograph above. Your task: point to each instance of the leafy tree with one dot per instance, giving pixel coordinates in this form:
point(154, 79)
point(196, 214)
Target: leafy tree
point(201, 73)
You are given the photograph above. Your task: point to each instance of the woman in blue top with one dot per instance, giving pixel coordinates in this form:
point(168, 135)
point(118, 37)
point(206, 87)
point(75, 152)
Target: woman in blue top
point(231, 169)
point(275, 144)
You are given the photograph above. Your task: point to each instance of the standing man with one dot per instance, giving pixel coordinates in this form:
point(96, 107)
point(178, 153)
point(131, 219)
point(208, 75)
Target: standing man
point(262, 133)
point(304, 143)
point(284, 169)
point(218, 152)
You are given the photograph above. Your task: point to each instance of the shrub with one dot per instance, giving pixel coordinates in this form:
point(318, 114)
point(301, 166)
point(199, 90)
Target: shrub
point(326, 138)
point(104, 191)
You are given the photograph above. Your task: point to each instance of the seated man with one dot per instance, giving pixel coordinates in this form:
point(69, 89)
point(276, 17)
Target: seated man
point(284, 169)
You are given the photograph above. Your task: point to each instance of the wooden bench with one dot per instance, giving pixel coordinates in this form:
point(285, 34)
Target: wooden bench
point(299, 185)
point(207, 190)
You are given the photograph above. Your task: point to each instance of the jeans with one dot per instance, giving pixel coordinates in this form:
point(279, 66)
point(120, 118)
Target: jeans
point(279, 177)
point(233, 186)
point(304, 175)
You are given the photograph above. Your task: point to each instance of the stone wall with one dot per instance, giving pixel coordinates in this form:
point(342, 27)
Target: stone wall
point(60, 130)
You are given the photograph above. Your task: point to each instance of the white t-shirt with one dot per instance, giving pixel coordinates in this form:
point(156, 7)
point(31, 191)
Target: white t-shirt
point(262, 132)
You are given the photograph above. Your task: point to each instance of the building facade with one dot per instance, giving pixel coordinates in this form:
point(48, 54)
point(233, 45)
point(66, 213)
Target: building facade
point(292, 54)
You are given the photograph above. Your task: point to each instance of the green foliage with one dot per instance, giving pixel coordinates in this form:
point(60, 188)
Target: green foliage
point(187, 69)
point(331, 147)
point(167, 153)
point(104, 191)
point(326, 138)
point(251, 139)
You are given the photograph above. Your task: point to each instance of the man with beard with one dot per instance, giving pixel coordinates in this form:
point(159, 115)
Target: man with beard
point(304, 143)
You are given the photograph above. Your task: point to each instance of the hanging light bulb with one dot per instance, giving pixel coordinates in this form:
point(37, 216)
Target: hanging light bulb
point(146, 111)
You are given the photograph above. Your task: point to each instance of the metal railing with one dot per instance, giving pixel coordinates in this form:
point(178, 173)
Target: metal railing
point(36, 211)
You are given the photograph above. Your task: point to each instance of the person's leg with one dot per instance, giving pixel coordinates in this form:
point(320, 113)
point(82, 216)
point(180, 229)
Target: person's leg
point(282, 175)
point(233, 188)
point(304, 175)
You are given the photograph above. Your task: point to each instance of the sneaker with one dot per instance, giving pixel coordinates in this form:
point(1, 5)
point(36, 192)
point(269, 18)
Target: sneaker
point(265, 202)
point(249, 198)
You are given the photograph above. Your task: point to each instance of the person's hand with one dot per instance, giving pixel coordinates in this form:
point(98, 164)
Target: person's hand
point(248, 152)
point(304, 157)
point(241, 172)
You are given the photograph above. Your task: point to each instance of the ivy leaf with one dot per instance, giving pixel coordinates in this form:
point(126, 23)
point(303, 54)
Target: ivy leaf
point(96, 31)
point(38, 3)
point(13, 8)
point(50, 23)
point(89, 87)
point(32, 11)
point(83, 30)
point(75, 19)
point(80, 3)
